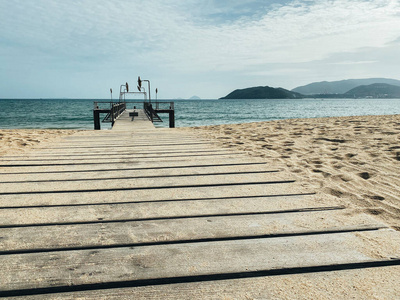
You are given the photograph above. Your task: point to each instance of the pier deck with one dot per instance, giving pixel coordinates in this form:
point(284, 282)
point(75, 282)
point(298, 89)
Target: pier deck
point(135, 123)
point(150, 111)
point(139, 212)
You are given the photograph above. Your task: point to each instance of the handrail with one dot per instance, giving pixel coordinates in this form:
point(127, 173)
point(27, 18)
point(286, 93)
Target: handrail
point(116, 110)
point(157, 103)
point(148, 109)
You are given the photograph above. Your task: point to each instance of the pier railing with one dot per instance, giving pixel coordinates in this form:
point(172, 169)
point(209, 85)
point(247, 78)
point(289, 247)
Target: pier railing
point(154, 108)
point(115, 109)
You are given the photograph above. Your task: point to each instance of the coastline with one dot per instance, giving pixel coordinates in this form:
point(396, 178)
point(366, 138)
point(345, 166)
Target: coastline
point(353, 159)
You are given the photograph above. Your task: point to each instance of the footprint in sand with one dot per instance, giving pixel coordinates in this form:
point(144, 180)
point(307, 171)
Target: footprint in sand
point(394, 148)
point(357, 163)
point(316, 162)
point(374, 211)
point(340, 141)
point(375, 197)
point(32, 140)
point(364, 175)
point(341, 178)
point(325, 174)
point(334, 192)
point(337, 167)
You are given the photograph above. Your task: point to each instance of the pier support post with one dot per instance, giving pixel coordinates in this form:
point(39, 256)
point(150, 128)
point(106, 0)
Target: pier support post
point(96, 118)
point(171, 119)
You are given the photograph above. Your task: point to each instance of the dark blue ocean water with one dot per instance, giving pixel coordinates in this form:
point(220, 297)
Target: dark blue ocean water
point(78, 113)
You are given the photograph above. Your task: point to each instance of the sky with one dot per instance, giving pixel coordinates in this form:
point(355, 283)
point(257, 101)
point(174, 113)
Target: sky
point(207, 48)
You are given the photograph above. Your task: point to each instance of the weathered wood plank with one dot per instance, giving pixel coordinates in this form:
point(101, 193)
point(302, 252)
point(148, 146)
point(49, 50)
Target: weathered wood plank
point(166, 261)
point(143, 183)
point(104, 164)
point(136, 232)
point(171, 193)
point(155, 171)
point(358, 283)
point(131, 158)
point(149, 210)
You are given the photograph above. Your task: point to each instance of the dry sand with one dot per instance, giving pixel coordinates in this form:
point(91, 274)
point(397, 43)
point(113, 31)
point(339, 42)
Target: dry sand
point(356, 159)
point(17, 141)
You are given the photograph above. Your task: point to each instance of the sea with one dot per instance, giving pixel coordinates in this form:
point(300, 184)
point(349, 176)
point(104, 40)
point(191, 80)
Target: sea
point(78, 113)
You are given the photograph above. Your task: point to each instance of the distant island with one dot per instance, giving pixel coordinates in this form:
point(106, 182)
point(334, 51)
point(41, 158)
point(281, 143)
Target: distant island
point(376, 90)
point(340, 87)
point(191, 98)
point(263, 92)
point(351, 88)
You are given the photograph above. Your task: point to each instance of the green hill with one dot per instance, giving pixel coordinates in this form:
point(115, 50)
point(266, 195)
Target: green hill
point(263, 92)
point(376, 90)
point(340, 87)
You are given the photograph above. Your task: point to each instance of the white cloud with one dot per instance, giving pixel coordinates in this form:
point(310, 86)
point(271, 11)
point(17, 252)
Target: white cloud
point(188, 38)
point(348, 62)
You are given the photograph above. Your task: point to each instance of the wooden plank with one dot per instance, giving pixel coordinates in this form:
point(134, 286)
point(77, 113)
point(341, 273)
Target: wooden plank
point(169, 230)
point(168, 193)
point(220, 159)
point(125, 154)
point(155, 210)
point(118, 157)
point(140, 165)
point(136, 159)
point(166, 261)
point(103, 154)
point(143, 183)
point(179, 170)
point(345, 283)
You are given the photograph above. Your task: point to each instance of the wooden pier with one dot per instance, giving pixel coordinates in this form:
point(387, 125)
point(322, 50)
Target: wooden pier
point(113, 110)
point(138, 212)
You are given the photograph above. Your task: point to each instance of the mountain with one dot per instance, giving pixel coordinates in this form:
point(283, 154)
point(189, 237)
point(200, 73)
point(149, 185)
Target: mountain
point(376, 90)
point(195, 98)
point(263, 92)
point(340, 87)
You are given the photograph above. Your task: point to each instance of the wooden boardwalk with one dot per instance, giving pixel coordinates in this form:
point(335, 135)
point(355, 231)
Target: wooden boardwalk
point(138, 212)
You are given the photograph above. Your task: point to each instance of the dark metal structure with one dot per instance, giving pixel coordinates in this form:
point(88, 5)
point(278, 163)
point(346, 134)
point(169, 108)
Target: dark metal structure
point(152, 113)
point(115, 109)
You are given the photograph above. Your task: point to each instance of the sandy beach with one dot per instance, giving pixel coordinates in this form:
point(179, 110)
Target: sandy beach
point(17, 141)
point(355, 159)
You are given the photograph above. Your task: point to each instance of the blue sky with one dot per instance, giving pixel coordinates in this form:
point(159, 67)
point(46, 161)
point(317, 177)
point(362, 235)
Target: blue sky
point(82, 48)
